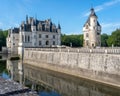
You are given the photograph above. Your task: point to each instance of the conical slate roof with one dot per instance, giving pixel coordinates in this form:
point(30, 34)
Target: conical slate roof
point(91, 14)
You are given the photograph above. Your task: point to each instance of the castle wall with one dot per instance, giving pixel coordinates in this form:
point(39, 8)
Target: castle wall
point(101, 65)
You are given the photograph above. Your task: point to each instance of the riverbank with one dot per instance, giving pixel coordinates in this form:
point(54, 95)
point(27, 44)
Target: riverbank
point(11, 88)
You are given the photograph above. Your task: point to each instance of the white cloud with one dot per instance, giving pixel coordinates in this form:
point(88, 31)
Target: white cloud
point(109, 27)
point(103, 6)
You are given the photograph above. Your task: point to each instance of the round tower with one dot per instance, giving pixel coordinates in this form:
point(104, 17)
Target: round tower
point(59, 34)
point(92, 31)
point(93, 23)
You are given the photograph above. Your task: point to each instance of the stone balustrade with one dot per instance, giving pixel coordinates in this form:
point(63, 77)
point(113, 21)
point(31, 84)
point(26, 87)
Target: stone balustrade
point(108, 50)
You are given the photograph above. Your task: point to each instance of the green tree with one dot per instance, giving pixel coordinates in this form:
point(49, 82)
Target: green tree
point(104, 38)
point(3, 35)
point(114, 39)
point(74, 40)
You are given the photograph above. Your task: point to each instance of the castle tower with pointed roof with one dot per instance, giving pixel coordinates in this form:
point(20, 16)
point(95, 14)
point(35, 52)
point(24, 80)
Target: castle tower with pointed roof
point(92, 31)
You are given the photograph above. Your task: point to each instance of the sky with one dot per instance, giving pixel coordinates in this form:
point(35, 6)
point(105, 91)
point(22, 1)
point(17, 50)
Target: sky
point(71, 14)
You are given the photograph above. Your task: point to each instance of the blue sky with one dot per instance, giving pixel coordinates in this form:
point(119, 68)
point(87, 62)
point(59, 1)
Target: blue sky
point(71, 14)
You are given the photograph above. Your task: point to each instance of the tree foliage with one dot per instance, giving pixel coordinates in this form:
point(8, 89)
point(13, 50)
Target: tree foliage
point(3, 35)
point(104, 38)
point(72, 40)
point(114, 39)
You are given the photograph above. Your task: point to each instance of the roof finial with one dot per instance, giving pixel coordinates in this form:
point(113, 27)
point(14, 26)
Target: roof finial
point(59, 27)
point(92, 9)
point(27, 19)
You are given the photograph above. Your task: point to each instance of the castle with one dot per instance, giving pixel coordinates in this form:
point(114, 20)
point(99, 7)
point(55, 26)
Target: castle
point(92, 31)
point(37, 33)
point(33, 33)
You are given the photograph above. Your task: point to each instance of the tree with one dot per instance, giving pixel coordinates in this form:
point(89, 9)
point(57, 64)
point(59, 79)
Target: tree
point(74, 40)
point(114, 39)
point(3, 35)
point(104, 38)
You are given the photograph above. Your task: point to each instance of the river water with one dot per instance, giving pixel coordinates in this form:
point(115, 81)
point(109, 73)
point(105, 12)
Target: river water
point(50, 83)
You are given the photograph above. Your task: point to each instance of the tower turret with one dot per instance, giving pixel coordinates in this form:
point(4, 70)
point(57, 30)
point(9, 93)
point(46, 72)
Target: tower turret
point(92, 31)
point(26, 19)
point(59, 34)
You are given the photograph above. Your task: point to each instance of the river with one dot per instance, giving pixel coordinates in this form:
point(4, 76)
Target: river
point(50, 83)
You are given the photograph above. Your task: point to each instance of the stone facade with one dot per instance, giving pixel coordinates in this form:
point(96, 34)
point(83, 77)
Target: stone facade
point(12, 40)
point(34, 33)
point(92, 31)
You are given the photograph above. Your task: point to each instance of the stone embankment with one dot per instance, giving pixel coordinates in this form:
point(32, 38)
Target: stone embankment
point(11, 88)
point(101, 65)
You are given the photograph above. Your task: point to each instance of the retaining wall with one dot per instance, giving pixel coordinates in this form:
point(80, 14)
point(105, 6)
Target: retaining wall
point(101, 67)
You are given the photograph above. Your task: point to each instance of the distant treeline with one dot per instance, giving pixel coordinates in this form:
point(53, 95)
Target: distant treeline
point(111, 40)
point(76, 40)
point(3, 35)
point(106, 40)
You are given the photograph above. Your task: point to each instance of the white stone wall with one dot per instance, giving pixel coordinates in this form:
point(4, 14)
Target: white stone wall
point(12, 43)
point(96, 66)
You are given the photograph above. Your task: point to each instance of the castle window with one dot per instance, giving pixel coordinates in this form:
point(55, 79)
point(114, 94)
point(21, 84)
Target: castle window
point(87, 43)
point(86, 26)
point(28, 38)
point(53, 42)
point(94, 20)
point(39, 35)
point(53, 36)
point(98, 33)
point(39, 42)
point(47, 36)
point(87, 35)
point(47, 42)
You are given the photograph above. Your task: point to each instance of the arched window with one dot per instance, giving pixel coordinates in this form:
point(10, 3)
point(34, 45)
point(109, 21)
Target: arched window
point(47, 42)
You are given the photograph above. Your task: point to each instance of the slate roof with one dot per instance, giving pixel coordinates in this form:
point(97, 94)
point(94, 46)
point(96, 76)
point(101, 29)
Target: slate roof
point(91, 14)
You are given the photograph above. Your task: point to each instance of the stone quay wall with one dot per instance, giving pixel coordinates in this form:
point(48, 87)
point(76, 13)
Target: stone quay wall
point(101, 65)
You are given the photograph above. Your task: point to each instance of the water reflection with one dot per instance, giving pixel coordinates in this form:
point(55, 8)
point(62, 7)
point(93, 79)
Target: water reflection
point(68, 85)
point(50, 83)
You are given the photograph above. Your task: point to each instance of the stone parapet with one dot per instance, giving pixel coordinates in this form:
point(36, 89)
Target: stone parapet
point(108, 50)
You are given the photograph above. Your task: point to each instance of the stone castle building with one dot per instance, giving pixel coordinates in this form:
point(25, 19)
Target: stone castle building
point(12, 40)
point(92, 31)
point(34, 33)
